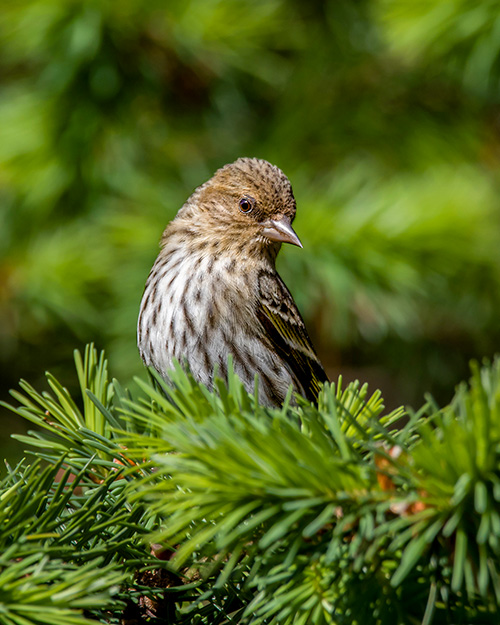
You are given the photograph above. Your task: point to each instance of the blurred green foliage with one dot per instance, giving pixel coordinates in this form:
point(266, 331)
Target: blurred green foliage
point(383, 113)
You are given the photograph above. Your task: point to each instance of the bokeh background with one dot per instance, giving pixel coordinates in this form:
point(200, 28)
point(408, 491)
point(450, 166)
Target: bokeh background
point(383, 113)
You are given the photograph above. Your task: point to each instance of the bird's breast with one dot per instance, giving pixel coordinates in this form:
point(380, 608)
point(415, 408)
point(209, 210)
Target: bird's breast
point(193, 307)
point(200, 309)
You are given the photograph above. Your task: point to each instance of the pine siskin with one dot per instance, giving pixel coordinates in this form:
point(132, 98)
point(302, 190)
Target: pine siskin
point(214, 289)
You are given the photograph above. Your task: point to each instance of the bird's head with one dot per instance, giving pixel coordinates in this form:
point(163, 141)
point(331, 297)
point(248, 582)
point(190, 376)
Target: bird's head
point(246, 203)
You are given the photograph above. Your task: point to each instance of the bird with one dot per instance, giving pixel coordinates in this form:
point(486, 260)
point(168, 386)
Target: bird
point(214, 291)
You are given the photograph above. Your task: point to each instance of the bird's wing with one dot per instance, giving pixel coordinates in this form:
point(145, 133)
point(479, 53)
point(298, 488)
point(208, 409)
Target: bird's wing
point(287, 333)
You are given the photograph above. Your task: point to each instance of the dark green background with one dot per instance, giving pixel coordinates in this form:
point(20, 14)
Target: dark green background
point(383, 113)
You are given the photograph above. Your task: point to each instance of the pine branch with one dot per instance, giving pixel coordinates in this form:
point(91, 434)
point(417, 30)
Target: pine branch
point(258, 515)
point(309, 498)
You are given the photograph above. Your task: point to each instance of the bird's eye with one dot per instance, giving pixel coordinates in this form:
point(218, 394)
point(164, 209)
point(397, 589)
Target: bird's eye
point(247, 204)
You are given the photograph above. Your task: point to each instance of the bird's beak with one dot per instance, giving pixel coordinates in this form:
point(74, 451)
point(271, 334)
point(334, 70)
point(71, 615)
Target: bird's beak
point(281, 230)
